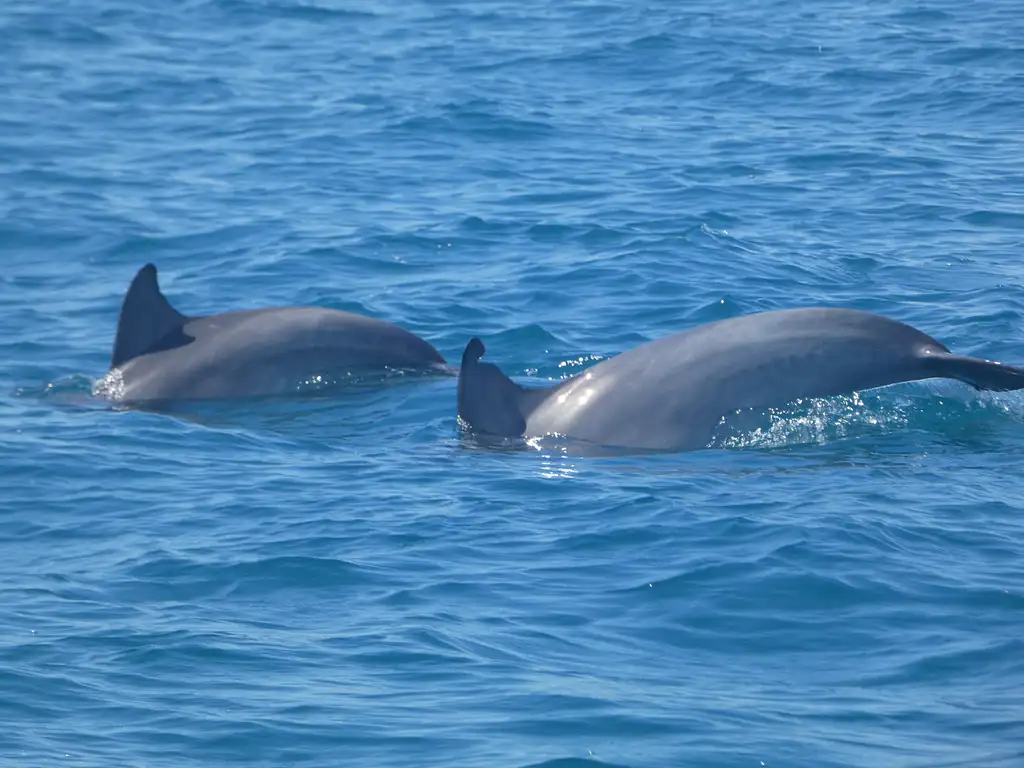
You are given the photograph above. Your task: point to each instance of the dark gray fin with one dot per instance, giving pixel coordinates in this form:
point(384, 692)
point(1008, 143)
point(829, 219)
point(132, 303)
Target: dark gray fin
point(146, 318)
point(489, 402)
point(979, 373)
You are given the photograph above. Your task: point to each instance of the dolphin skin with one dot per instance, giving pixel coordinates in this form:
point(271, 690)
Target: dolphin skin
point(162, 355)
point(671, 393)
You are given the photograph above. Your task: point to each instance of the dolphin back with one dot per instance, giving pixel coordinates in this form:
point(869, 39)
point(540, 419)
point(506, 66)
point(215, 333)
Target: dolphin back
point(146, 318)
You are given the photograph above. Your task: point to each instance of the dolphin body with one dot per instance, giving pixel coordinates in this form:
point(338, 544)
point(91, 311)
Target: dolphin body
point(162, 355)
point(671, 393)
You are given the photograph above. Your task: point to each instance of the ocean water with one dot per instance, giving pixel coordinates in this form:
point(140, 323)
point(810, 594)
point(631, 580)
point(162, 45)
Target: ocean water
point(346, 579)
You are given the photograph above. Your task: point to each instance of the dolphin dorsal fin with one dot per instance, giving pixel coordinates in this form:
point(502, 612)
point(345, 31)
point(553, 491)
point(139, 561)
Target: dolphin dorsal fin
point(488, 400)
point(146, 317)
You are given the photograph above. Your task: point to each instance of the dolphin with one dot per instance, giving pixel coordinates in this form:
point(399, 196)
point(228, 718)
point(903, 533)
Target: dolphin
point(160, 354)
point(670, 394)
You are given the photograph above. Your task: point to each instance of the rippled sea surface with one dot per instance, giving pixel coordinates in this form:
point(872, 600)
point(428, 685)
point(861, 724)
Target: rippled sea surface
point(345, 579)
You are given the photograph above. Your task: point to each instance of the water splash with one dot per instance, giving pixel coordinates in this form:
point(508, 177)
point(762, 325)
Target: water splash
point(876, 413)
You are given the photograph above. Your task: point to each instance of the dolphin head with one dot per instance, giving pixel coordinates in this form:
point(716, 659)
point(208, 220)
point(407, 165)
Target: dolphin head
point(488, 401)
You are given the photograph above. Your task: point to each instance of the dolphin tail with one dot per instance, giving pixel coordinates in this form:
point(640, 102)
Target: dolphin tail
point(146, 317)
point(489, 402)
point(979, 373)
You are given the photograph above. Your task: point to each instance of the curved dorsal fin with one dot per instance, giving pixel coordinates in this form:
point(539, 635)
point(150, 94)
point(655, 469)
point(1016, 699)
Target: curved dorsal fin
point(488, 400)
point(146, 317)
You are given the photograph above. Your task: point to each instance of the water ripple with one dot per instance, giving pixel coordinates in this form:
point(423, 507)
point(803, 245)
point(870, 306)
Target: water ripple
point(836, 583)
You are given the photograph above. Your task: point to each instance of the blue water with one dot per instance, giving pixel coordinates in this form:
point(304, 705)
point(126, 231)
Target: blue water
point(346, 580)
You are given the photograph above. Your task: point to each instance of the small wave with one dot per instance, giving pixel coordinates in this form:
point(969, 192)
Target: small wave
point(161, 578)
point(575, 762)
point(996, 219)
point(474, 118)
point(298, 11)
point(76, 389)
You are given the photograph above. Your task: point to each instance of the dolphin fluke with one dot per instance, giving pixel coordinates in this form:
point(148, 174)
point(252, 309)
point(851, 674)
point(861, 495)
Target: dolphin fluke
point(146, 317)
point(979, 373)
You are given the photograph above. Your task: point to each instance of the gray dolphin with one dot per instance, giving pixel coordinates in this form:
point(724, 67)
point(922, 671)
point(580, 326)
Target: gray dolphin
point(162, 355)
point(671, 393)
